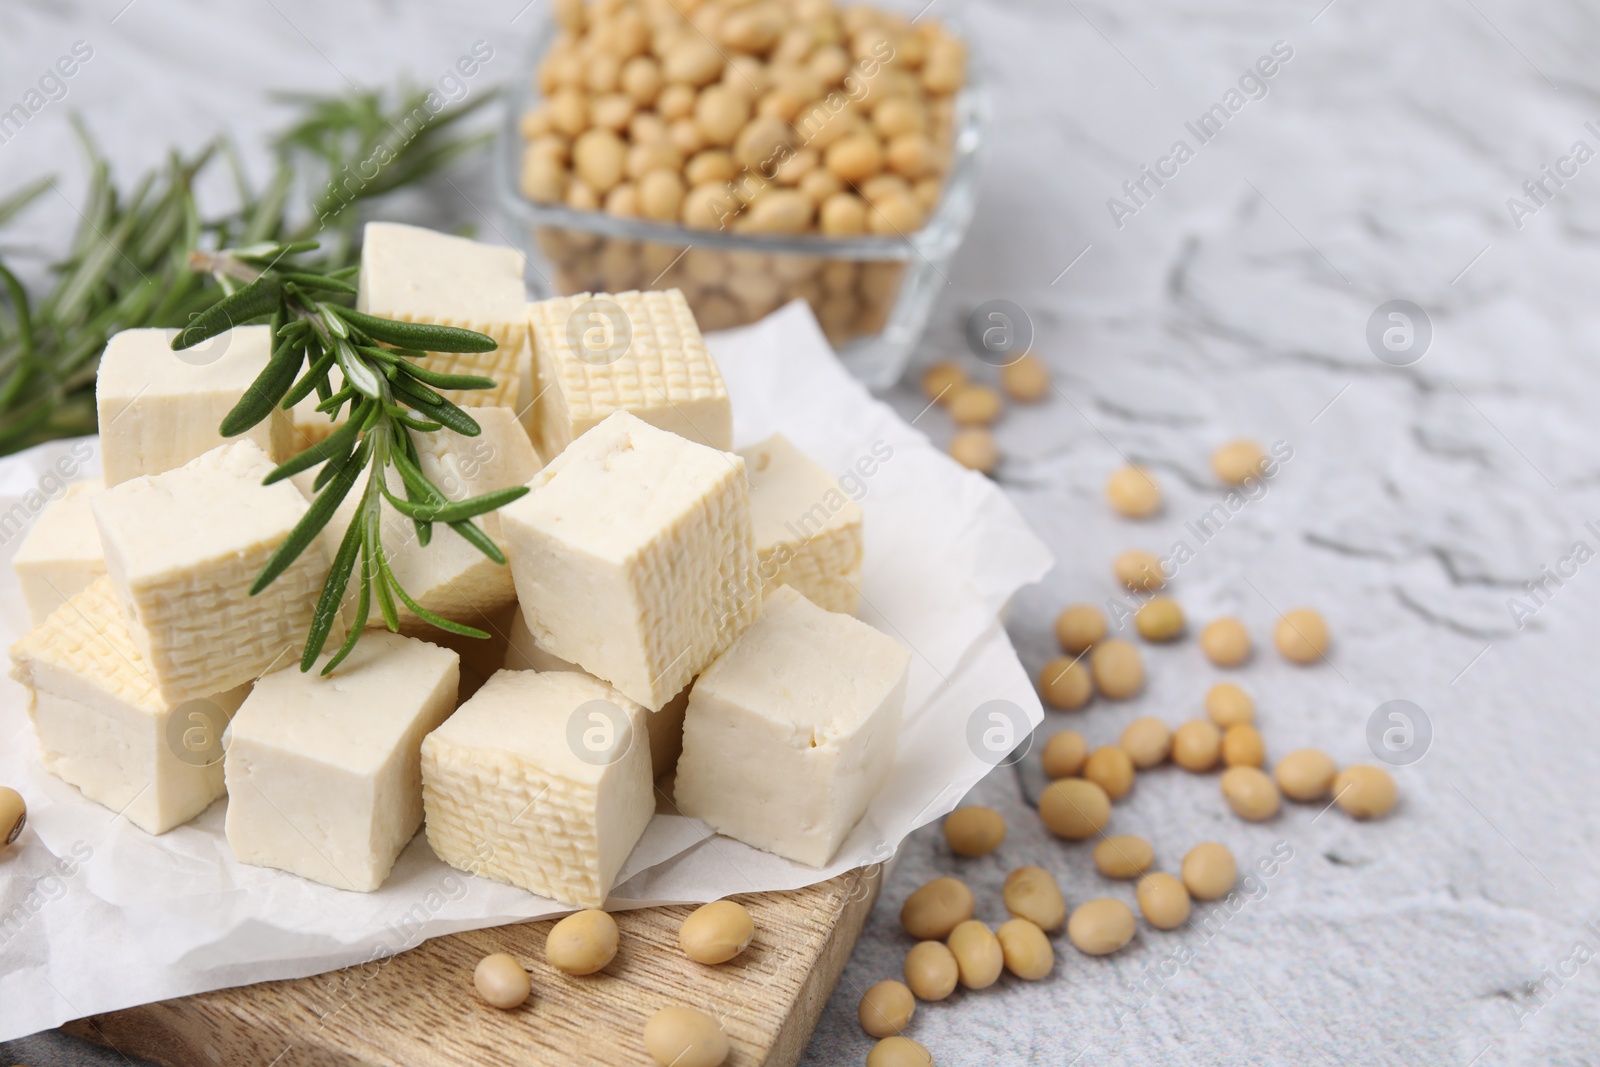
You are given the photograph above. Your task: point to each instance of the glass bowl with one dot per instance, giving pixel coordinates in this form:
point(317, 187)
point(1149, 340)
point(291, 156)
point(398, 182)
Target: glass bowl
point(872, 295)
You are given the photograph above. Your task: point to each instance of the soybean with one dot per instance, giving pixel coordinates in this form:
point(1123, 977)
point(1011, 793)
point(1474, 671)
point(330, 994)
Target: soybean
point(974, 405)
point(931, 971)
point(975, 449)
point(898, 1052)
point(1306, 774)
point(502, 981)
point(1238, 461)
point(13, 815)
point(684, 1037)
point(974, 831)
point(1365, 791)
point(1196, 746)
point(1026, 950)
point(1133, 492)
point(886, 1009)
point(1111, 769)
point(1074, 808)
point(1302, 636)
point(1027, 380)
point(1242, 746)
point(1147, 741)
point(1064, 754)
point(582, 943)
point(1124, 856)
point(1065, 684)
point(1228, 705)
point(940, 378)
point(1209, 871)
point(930, 913)
point(1032, 893)
point(1225, 642)
point(1101, 927)
point(1159, 619)
point(1139, 570)
point(979, 958)
point(1250, 793)
point(716, 932)
point(1163, 900)
point(1116, 668)
point(1079, 627)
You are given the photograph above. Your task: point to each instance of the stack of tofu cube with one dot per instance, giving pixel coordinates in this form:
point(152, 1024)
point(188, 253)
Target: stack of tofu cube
point(676, 618)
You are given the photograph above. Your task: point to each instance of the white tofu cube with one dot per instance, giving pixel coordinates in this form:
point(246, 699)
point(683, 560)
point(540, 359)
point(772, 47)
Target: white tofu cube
point(636, 352)
point(159, 409)
point(523, 653)
point(183, 548)
point(61, 554)
point(808, 532)
point(417, 275)
point(541, 781)
point(634, 557)
point(104, 728)
point(323, 773)
point(793, 729)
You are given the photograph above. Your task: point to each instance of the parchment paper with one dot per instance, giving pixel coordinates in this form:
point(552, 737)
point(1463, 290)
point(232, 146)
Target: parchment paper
point(96, 915)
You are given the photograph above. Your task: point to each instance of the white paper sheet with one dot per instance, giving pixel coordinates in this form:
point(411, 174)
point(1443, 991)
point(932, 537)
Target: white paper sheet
point(96, 915)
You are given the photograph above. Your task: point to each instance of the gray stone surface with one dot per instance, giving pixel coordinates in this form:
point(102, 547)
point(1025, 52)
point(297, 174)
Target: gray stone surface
point(1418, 501)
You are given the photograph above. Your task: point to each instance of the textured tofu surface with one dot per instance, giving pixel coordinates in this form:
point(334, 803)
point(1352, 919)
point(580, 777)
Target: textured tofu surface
point(792, 730)
point(634, 557)
point(323, 772)
point(101, 724)
point(183, 548)
point(665, 376)
point(808, 532)
point(159, 409)
point(419, 275)
point(523, 653)
point(61, 554)
point(509, 796)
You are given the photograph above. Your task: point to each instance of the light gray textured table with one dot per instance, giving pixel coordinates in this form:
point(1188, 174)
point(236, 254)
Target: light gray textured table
point(1233, 299)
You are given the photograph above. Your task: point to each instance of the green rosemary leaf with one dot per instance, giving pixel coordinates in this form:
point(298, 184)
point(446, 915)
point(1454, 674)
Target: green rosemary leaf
point(317, 372)
point(429, 617)
point(415, 480)
point(338, 441)
point(310, 524)
point(327, 612)
point(445, 381)
point(258, 298)
point(317, 281)
point(264, 393)
point(417, 335)
point(442, 411)
point(380, 584)
point(479, 540)
point(416, 390)
point(359, 623)
point(458, 510)
point(330, 407)
point(356, 373)
point(345, 272)
point(18, 201)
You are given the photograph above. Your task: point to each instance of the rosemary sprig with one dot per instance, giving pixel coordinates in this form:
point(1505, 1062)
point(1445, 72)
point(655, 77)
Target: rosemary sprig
point(390, 398)
point(127, 265)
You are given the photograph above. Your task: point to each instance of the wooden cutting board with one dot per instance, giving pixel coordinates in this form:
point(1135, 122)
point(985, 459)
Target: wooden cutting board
point(418, 1009)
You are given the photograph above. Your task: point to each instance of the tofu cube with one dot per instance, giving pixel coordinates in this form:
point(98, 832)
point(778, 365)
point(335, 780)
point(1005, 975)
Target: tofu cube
point(634, 558)
point(793, 729)
point(159, 409)
point(636, 352)
point(183, 548)
point(102, 725)
point(808, 532)
point(324, 777)
point(540, 781)
point(417, 275)
point(523, 653)
point(61, 554)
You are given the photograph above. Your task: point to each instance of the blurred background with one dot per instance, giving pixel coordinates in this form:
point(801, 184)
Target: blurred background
point(1400, 152)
